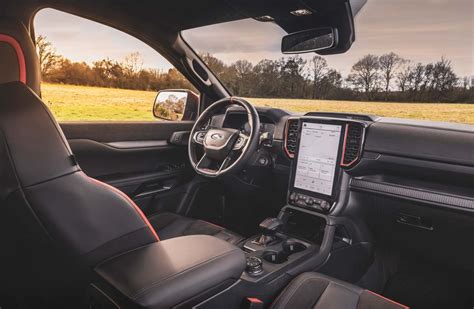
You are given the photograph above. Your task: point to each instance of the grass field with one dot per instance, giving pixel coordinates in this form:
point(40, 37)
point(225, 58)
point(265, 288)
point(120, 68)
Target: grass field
point(82, 103)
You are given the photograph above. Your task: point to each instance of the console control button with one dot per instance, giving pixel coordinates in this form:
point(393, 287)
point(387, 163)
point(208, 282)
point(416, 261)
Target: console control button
point(302, 200)
point(254, 266)
point(292, 197)
point(325, 205)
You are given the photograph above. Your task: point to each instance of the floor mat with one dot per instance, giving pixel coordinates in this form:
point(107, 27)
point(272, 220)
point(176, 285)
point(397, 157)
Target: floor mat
point(421, 285)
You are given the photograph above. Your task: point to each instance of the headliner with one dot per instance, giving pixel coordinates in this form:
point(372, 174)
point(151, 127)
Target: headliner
point(176, 15)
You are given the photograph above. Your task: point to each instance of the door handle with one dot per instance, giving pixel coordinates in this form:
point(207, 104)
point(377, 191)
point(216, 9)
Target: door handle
point(415, 221)
point(153, 192)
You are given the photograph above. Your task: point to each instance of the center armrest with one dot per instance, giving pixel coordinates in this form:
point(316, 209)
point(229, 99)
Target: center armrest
point(170, 272)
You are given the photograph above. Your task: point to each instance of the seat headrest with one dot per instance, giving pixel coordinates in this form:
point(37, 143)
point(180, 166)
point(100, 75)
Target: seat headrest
point(18, 59)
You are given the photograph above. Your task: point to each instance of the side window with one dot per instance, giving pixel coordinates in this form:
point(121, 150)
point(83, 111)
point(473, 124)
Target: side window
point(92, 72)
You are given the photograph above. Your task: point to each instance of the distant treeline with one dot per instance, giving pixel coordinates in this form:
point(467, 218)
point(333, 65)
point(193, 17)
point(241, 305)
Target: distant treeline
point(388, 77)
point(128, 74)
point(375, 78)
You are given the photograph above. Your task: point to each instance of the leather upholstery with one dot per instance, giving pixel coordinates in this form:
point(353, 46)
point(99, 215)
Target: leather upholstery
point(169, 225)
point(51, 211)
point(16, 47)
point(167, 273)
point(317, 291)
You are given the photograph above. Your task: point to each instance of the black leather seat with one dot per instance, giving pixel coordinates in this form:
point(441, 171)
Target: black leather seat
point(18, 62)
point(317, 291)
point(56, 223)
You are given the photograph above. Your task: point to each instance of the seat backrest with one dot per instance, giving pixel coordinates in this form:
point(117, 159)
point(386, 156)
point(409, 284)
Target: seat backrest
point(54, 219)
point(18, 60)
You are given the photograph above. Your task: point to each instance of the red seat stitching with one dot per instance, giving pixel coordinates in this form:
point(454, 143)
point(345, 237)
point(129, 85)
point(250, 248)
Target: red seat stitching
point(389, 300)
point(129, 200)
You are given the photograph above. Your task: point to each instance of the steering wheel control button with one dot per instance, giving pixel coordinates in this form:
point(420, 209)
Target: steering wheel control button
point(254, 266)
point(199, 137)
point(239, 143)
point(263, 161)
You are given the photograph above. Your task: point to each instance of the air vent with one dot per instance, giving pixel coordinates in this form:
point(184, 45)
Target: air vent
point(291, 137)
point(352, 144)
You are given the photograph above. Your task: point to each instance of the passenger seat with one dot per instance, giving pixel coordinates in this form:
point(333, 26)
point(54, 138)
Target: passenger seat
point(317, 291)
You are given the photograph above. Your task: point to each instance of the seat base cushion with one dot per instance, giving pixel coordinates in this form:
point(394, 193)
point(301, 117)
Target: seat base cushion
point(317, 291)
point(169, 225)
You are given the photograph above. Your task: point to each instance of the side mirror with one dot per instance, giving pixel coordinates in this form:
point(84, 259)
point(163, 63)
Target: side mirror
point(176, 104)
point(317, 39)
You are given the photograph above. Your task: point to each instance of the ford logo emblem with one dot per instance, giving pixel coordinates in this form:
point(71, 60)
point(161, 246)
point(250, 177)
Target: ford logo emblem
point(216, 136)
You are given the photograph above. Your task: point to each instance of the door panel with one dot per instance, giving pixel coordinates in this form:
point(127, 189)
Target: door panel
point(107, 132)
point(136, 157)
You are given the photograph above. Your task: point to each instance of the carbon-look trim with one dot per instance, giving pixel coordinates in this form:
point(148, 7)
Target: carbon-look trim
point(421, 195)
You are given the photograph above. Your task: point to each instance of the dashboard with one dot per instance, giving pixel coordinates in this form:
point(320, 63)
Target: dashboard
point(408, 181)
point(320, 157)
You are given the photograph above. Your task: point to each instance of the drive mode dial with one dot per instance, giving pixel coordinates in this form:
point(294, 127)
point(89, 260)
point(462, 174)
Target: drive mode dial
point(254, 265)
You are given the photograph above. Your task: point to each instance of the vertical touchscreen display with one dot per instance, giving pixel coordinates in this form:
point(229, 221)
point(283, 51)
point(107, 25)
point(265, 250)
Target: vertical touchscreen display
point(317, 157)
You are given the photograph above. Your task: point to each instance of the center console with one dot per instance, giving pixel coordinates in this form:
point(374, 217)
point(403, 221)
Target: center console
point(323, 148)
point(284, 242)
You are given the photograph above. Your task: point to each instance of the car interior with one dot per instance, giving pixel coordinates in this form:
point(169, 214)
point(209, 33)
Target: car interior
point(235, 206)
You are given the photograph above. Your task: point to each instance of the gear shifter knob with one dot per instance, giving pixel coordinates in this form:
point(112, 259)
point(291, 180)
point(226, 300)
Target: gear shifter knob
point(270, 226)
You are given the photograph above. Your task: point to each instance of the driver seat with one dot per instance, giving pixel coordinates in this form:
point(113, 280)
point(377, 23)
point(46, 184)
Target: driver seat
point(56, 223)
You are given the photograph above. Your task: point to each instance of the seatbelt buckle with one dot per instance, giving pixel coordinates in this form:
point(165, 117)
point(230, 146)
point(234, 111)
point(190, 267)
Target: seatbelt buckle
point(251, 303)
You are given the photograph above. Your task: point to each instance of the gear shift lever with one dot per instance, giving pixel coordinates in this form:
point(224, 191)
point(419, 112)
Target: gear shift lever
point(269, 227)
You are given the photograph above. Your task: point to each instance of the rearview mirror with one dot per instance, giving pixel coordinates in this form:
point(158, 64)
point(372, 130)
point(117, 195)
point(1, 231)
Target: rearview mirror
point(311, 40)
point(176, 104)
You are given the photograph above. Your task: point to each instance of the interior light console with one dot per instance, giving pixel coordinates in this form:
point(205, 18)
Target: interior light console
point(323, 147)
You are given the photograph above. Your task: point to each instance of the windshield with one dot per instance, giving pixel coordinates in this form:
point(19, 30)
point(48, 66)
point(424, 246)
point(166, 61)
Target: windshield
point(411, 59)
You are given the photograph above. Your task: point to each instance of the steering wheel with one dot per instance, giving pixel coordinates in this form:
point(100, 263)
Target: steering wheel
point(224, 150)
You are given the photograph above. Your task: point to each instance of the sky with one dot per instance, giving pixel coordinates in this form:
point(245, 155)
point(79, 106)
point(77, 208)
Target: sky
point(420, 30)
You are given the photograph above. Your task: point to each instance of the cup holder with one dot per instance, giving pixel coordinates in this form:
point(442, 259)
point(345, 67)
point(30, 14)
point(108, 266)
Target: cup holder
point(293, 246)
point(274, 257)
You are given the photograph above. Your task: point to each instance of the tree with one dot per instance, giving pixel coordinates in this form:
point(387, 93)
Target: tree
point(444, 77)
point(47, 55)
point(217, 66)
point(403, 75)
point(415, 79)
point(132, 65)
point(319, 69)
point(365, 75)
point(292, 75)
point(330, 84)
point(267, 78)
point(242, 71)
point(388, 64)
point(465, 82)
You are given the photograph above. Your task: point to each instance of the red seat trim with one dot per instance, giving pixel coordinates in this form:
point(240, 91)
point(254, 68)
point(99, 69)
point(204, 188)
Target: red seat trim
point(19, 54)
point(129, 200)
point(389, 300)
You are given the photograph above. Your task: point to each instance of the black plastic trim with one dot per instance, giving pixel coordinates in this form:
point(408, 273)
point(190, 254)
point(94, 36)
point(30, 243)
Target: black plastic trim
point(440, 199)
